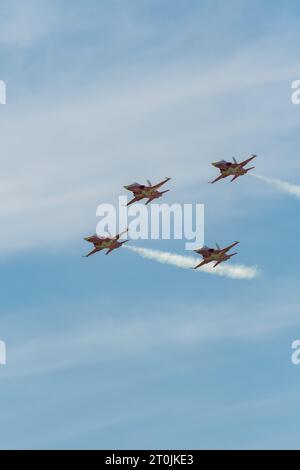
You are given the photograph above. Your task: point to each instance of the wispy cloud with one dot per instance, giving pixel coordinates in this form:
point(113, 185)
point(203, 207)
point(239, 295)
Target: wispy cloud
point(134, 110)
point(26, 23)
point(283, 186)
point(107, 339)
point(233, 271)
point(56, 127)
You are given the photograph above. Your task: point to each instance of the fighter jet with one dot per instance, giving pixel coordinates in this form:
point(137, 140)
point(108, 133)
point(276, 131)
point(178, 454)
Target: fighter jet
point(141, 191)
point(101, 243)
point(234, 169)
point(211, 254)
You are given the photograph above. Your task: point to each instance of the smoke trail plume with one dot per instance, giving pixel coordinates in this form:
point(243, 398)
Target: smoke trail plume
point(282, 186)
point(233, 271)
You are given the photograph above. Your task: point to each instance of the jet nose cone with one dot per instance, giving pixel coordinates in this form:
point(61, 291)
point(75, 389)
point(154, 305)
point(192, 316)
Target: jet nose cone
point(215, 164)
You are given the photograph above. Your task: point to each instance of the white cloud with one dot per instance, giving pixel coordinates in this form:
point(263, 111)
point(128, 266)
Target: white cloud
point(63, 151)
point(108, 339)
point(23, 24)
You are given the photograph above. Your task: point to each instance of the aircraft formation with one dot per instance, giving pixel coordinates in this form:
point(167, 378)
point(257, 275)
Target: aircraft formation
point(150, 192)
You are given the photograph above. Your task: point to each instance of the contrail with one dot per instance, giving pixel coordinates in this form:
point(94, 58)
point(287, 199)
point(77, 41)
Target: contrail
point(233, 271)
point(283, 186)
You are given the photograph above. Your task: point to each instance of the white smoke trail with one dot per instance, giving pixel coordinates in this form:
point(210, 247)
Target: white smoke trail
point(233, 271)
point(283, 186)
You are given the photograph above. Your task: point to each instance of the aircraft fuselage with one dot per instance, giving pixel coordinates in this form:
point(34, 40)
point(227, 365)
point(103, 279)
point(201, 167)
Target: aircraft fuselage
point(105, 244)
point(233, 170)
point(216, 256)
point(149, 192)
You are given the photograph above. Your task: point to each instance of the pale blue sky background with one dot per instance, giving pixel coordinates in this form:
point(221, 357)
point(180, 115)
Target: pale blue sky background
point(118, 351)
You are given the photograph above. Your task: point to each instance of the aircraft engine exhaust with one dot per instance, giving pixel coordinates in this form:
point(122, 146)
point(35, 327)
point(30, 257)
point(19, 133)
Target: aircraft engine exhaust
point(233, 271)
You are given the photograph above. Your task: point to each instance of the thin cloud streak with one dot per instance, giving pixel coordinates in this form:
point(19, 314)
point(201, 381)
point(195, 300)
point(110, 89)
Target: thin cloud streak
point(108, 339)
point(236, 271)
point(134, 111)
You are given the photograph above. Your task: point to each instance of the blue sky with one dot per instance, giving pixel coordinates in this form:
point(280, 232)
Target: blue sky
point(120, 351)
